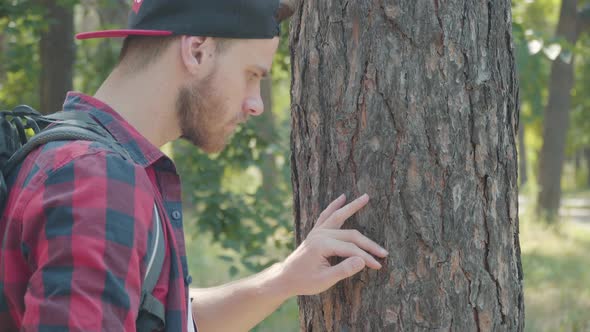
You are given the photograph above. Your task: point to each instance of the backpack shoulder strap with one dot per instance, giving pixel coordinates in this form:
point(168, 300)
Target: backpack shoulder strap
point(67, 127)
point(152, 314)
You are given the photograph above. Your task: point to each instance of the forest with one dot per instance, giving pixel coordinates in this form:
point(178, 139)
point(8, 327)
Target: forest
point(245, 208)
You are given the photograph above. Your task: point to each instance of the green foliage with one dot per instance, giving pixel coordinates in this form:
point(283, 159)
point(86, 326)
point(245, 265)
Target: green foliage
point(95, 60)
point(579, 134)
point(540, 16)
point(209, 270)
point(20, 24)
point(97, 57)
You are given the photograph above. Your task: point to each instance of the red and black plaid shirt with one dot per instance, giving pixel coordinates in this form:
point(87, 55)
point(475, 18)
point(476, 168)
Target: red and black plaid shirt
point(75, 233)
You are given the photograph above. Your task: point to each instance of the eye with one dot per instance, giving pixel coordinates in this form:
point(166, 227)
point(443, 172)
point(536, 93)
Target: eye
point(253, 76)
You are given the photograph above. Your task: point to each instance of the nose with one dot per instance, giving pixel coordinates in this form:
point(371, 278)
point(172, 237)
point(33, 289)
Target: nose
point(253, 106)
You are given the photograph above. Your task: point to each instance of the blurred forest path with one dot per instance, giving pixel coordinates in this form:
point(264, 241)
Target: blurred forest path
point(573, 208)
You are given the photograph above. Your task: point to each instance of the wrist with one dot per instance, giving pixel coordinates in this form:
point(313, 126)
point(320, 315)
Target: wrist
point(277, 283)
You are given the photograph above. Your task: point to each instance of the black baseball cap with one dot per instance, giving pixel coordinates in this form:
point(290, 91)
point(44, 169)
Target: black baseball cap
point(255, 19)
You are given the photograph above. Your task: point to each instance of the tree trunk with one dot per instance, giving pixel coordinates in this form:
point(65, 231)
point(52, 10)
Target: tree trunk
point(266, 128)
point(521, 155)
point(556, 120)
point(113, 14)
point(57, 53)
point(578, 162)
point(416, 104)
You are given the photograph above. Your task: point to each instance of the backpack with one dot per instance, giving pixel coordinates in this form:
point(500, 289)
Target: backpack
point(23, 129)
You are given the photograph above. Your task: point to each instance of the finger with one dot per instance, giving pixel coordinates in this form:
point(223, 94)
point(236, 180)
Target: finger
point(339, 217)
point(346, 268)
point(335, 205)
point(347, 249)
point(356, 237)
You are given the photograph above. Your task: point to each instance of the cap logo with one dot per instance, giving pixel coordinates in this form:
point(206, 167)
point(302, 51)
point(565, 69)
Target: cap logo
point(136, 5)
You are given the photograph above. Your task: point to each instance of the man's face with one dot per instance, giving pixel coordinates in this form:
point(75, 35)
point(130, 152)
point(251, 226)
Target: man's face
point(209, 109)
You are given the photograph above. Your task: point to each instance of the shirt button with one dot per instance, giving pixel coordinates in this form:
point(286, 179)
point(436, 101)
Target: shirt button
point(188, 279)
point(176, 214)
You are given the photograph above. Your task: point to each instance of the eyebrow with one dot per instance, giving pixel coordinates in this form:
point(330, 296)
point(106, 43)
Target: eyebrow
point(262, 69)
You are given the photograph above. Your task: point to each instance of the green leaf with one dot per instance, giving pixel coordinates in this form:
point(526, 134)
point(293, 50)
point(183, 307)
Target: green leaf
point(226, 258)
point(233, 271)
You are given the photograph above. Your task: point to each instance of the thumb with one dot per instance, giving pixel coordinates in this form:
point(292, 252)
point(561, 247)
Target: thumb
point(346, 268)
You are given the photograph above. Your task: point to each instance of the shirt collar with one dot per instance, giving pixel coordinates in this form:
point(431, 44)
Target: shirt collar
point(140, 149)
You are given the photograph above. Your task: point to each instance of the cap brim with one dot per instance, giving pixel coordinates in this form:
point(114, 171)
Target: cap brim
point(122, 33)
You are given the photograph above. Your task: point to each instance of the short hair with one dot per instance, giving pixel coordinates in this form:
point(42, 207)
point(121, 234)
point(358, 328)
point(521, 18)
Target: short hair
point(223, 44)
point(138, 52)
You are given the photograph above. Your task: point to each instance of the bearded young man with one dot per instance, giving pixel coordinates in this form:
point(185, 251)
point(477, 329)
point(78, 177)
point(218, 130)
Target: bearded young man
point(79, 215)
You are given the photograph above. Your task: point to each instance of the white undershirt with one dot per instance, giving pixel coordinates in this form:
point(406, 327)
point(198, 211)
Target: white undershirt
point(189, 314)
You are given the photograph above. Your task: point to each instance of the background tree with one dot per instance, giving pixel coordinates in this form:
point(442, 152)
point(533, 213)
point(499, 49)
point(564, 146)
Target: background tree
point(57, 53)
point(533, 71)
point(571, 24)
point(415, 103)
point(522, 164)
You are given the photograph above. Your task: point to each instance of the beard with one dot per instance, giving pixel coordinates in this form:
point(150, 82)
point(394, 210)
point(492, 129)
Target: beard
point(204, 116)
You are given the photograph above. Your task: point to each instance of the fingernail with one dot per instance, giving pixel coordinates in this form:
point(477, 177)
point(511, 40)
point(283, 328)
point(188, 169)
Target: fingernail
point(341, 197)
point(357, 263)
point(384, 252)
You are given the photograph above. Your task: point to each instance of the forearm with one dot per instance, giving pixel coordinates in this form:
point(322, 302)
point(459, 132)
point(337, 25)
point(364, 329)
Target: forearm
point(240, 305)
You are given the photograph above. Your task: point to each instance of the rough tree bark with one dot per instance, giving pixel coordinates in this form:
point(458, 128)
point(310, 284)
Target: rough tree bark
point(571, 24)
point(57, 53)
point(416, 104)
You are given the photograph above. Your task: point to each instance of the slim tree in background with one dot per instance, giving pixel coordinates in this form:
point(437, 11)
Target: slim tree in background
point(571, 24)
point(522, 164)
point(57, 53)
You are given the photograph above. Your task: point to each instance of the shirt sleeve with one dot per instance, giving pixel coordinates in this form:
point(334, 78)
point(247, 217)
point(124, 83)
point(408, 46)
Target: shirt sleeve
point(87, 227)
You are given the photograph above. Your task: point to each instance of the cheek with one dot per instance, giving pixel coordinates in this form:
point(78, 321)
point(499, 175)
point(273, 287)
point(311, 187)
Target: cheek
point(235, 90)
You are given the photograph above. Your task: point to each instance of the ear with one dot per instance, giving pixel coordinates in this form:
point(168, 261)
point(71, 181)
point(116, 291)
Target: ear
point(194, 51)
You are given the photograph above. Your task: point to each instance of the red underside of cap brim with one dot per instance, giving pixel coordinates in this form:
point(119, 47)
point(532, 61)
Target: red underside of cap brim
point(121, 33)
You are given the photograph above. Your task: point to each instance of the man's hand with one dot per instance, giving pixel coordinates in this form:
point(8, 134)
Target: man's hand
point(307, 270)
